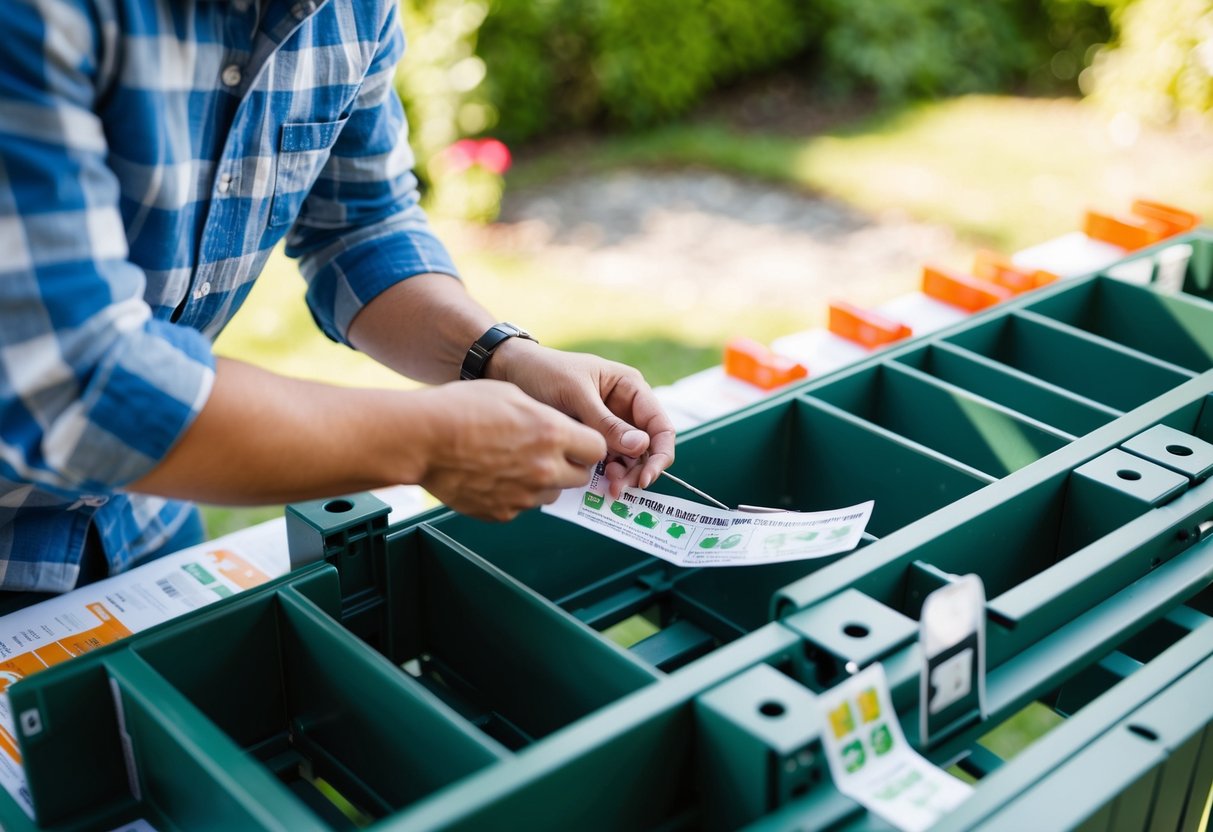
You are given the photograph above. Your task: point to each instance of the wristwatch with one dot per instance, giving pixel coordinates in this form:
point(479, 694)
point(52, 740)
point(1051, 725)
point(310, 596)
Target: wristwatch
point(480, 352)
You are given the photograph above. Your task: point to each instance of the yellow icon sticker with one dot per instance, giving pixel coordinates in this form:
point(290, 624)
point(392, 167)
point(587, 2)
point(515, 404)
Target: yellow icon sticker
point(841, 720)
point(869, 705)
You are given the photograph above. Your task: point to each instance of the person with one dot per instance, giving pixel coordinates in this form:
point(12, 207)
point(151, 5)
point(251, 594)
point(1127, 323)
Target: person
point(152, 154)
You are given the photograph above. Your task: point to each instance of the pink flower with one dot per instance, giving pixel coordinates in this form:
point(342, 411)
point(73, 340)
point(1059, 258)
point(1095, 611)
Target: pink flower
point(493, 156)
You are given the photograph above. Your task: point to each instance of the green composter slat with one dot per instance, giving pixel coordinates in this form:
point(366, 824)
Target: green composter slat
point(443, 673)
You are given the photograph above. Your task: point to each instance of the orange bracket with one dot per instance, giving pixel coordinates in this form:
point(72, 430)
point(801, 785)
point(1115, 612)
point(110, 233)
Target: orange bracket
point(1129, 232)
point(748, 360)
point(868, 329)
point(993, 267)
point(1177, 220)
point(969, 293)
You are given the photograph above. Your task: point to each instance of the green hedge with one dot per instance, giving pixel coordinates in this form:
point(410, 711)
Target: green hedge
point(1160, 67)
point(526, 69)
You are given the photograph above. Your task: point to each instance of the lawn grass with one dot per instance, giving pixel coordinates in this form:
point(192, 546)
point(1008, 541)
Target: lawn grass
point(1001, 171)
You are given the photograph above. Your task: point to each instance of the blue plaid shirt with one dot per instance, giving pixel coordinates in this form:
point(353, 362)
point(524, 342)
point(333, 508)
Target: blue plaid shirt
point(152, 153)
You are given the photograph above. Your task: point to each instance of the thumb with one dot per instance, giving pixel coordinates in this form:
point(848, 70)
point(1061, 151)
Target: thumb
point(622, 438)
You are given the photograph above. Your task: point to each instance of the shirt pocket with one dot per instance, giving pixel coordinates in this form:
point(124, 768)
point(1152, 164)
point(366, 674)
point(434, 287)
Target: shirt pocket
point(303, 148)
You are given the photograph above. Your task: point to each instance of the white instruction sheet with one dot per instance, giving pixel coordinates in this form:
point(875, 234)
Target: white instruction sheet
point(687, 533)
point(872, 763)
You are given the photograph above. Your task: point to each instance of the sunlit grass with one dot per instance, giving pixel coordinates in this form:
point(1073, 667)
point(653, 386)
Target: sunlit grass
point(1001, 171)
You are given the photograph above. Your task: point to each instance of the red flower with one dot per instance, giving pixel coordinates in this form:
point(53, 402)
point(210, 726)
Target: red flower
point(493, 156)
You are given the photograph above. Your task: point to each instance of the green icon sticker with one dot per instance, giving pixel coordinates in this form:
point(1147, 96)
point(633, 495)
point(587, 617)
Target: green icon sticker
point(709, 543)
point(676, 530)
point(647, 520)
point(731, 542)
point(620, 509)
point(882, 739)
point(853, 756)
point(592, 500)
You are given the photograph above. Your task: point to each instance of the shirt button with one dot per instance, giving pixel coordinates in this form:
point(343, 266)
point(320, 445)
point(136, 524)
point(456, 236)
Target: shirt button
point(301, 10)
point(203, 290)
point(224, 184)
point(232, 75)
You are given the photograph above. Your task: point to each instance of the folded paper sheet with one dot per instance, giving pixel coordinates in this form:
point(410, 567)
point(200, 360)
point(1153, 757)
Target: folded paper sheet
point(687, 533)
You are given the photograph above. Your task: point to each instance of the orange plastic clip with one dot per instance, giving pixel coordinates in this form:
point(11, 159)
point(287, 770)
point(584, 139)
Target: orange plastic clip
point(1129, 232)
point(1177, 220)
point(991, 266)
point(967, 292)
point(868, 329)
point(748, 360)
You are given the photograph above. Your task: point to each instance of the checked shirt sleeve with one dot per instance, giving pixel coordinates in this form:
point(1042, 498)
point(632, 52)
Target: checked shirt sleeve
point(93, 390)
point(361, 229)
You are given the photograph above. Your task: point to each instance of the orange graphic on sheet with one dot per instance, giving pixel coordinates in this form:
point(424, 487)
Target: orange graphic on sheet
point(109, 630)
point(238, 570)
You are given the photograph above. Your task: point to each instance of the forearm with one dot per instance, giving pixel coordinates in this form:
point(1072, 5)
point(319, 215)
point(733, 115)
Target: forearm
point(264, 438)
point(421, 327)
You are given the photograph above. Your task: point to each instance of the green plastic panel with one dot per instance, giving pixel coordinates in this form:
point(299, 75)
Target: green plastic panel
point(444, 673)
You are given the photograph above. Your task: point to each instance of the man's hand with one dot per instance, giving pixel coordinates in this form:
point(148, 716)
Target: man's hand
point(609, 397)
point(494, 451)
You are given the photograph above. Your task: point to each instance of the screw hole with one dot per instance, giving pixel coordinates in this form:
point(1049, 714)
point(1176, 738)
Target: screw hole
point(1143, 731)
point(856, 630)
point(771, 708)
point(1157, 562)
point(338, 506)
point(800, 790)
point(1179, 450)
point(1128, 474)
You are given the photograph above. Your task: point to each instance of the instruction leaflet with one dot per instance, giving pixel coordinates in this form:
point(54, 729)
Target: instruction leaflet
point(687, 533)
point(872, 763)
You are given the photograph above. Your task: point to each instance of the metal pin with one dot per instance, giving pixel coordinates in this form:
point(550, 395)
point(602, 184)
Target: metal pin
point(695, 490)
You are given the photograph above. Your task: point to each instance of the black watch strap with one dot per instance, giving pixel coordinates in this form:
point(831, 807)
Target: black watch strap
point(480, 352)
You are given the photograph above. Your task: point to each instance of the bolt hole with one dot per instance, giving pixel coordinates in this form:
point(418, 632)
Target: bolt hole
point(771, 708)
point(1157, 562)
point(1128, 474)
point(338, 506)
point(1182, 535)
point(800, 790)
point(1143, 731)
point(1179, 450)
point(856, 630)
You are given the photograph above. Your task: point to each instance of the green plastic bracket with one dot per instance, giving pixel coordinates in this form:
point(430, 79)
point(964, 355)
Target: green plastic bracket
point(1181, 452)
point(347, 529)
point(759, 746)
point(1110, 490)
point(849, 631)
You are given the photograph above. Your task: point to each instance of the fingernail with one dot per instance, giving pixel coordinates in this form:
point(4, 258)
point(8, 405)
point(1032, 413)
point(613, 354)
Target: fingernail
point(645, 480)
point(633, 439)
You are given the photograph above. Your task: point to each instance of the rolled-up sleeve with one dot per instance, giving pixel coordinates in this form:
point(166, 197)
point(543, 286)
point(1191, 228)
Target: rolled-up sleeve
point(93, 390)
point(361, 229)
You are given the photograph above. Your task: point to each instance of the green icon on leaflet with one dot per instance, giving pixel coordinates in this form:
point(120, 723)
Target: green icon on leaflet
point(709, 543)
point(840, 532)
point(853, 757)
point(647, 520)
point(593, 500)
point(676, 530)
point(620, 509)
point(882, 740)
point(731, 542)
